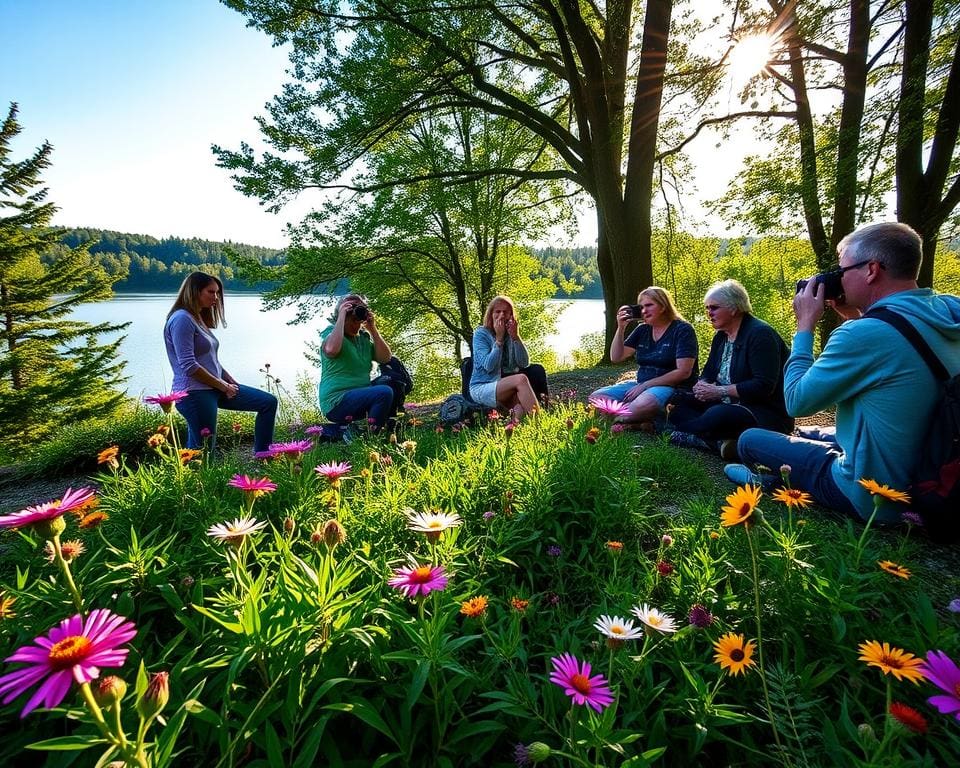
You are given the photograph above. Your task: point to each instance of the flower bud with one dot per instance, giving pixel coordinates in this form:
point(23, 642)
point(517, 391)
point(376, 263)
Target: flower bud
point(333, 534)
point(538, 752)
point(50, 529)
point(108, 690)
point(867, 735)
point(288, 525)
point(155, 698)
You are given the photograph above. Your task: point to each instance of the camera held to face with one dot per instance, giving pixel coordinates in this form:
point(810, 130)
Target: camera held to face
point(359, 312)
point(636, 311)
point(829, 282)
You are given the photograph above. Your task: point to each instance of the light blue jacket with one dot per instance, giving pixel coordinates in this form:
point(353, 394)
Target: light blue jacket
point(488, 358)
point(884, 391)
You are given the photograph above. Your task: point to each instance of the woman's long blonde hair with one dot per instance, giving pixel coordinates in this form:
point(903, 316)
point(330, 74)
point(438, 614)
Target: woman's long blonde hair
point(488, 314)
point(188, 298)
point(662, 298)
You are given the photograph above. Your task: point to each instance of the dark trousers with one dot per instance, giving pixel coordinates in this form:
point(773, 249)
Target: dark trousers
point(711, 421)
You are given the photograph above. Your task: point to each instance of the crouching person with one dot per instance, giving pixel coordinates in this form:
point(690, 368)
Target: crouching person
point(350, 345)
point(883, 390)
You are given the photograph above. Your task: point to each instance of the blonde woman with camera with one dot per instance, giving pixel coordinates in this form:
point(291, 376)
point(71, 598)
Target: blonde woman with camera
point(350, 345)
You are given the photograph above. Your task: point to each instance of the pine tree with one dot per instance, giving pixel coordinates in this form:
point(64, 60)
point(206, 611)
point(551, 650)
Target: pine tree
point(53, 370)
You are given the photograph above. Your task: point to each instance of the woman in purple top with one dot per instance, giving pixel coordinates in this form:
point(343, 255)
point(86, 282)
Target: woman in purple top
point(192, 351)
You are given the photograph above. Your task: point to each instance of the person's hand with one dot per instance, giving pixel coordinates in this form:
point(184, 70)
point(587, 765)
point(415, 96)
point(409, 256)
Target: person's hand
point(808, 305)
point(624, 316)
point(843, 309)
point(371, 321)
point(345, 309)
point(706, 392)
point(513, 328)
point(499, 328)
point(231, 390)
point(634, 392)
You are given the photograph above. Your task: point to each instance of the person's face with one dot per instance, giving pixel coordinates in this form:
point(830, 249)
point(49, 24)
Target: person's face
point(854, 279)
point(720, 315)
point(209, 295)
point(351, 326)
point(502, 312)
point(650, 311)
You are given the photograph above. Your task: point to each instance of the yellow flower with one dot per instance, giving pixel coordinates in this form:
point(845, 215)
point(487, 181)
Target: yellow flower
point(792, 497)
point(187, 455)
point(733, 653)
point(155, 441)
point(876, 489)
point(714, 535)
point(6, 606)
point(741, 503)
point(108, 455)
point(892, 661)
point(475, 607)
point(892, 568)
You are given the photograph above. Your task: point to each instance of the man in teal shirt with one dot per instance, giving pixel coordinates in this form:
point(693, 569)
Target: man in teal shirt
point(883, 390)
point(350, 345)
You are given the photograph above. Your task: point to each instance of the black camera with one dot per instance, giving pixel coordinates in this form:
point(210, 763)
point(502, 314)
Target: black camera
point(359, 312)
point(831, 288)
point(636, 310)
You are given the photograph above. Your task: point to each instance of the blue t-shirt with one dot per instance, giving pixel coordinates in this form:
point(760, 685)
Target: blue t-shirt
point(655, 358)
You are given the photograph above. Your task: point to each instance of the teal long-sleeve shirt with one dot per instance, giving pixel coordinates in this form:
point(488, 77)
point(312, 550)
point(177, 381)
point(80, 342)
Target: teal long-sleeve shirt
point(883, 390)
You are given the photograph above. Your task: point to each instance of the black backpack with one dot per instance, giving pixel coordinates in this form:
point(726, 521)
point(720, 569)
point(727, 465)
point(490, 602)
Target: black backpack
point(393, 372)
point(457, 408)
point(935, 492)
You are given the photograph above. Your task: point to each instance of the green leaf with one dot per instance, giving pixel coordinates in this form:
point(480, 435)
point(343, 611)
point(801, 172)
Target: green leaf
point(365, 712)
point(67, 743)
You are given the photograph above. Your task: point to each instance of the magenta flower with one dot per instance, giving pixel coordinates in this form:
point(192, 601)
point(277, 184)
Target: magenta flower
point(608, 406)
point(166, 401)
point(418, 579)
point(316, 429)
point(333, 470)
point(574, 677)
point(293, 450)
point(49, 510)
point(943, 673)
point(255, 485)
point(74, 650)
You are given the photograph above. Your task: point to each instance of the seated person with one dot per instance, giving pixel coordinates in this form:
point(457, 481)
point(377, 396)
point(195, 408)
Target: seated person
point(665, 348)
point(884, 392)
point(741, 385)
point(350, 345)
point(502, 375)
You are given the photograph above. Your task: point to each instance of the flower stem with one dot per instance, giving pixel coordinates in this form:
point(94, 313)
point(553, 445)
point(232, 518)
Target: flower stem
point(866, 529)
point(763, 674)
point(67, 575)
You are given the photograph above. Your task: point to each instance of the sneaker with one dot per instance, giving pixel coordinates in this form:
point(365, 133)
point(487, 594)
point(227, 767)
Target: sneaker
point(740, 474)
point(687, 440)
point(728, 450)
point(348, 434)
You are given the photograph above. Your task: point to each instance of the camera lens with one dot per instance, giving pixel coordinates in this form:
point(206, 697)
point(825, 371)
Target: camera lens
point(360, 313)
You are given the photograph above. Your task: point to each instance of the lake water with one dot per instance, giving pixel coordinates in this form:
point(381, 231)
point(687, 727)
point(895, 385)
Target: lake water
point(254, 337)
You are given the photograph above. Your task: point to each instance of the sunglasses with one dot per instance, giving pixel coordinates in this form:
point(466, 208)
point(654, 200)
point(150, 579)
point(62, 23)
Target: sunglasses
point(843, 270)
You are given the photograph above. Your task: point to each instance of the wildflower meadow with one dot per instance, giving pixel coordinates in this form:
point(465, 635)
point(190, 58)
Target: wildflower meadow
point(550, 592)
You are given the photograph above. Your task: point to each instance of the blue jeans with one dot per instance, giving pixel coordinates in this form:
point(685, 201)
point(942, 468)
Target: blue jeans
point(375, 400)
point(199, 409)
point(810, 464)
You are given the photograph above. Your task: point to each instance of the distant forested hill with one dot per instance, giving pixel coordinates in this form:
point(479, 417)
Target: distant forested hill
point(572, 267)
point(160, 265)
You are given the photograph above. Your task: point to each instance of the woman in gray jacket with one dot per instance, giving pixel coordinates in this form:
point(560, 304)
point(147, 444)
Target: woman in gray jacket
point(501, 365)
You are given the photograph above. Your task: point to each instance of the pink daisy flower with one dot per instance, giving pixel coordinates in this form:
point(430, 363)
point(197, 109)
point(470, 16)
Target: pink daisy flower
point(49, 510)
point(333, 470)
point(574, 677)
point(255, 485)
point(943, 672)
point(166, 401)
point(73, 651)
point(314, 430)
point(293, 450)
point(608, 406)
point(418, 580)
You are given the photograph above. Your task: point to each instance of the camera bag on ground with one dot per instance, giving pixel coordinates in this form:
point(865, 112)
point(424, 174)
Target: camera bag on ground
point(394, 372)
point(935, 493)
point(457, 408)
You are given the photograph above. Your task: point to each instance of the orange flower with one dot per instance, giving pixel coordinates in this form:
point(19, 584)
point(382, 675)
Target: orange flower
point(792, 497)
point(93, 519)
point(155, 441)
point(892, 661)
point(187, 455)
point(892, 568)
point(615, 547)
point(592, 434)
point(741, 503)
point(876, 489)
point(519, 605)
point(6, 606)
point(733, 653)
point(475, 607)
point(108, 456)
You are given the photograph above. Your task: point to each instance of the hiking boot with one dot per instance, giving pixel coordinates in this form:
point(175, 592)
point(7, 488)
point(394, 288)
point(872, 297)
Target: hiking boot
point(688, 440)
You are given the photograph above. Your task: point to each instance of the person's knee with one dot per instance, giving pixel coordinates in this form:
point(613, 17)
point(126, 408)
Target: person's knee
point(382, 393)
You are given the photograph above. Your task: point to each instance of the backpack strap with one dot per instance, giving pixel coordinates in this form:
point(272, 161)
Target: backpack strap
point(912, 335)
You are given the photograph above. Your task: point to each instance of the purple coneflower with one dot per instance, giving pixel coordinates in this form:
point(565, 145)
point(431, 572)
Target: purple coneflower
point(49, 510)
point(941, 670)
point(699, 616)
point(255, 485)
point(166, 401)
point(333, 471)
point(574, 677)
point(74, 650)
point(418, 580)
point(293, 450)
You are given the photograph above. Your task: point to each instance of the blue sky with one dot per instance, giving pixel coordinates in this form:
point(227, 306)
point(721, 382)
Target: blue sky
point(132, 93)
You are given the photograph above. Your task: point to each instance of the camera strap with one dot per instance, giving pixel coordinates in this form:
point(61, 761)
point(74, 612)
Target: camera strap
point(912, 335)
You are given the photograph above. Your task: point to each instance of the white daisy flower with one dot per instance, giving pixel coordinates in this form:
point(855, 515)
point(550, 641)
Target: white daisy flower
point(236, 531)
point(617, 629)
point(654, 618)
point(432, 523)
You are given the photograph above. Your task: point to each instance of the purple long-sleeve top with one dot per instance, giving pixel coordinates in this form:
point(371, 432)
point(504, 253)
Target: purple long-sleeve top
point(190, 346)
